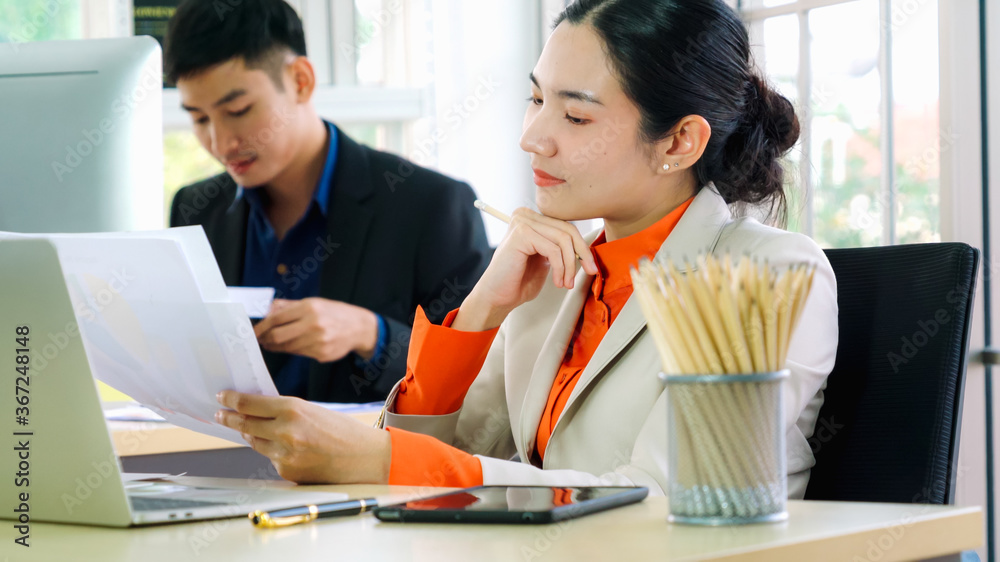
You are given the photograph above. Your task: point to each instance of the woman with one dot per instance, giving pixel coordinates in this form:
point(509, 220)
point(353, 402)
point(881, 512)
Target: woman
point(648, 114)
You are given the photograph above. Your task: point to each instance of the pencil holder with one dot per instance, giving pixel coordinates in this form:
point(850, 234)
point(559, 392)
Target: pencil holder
point(726, 456)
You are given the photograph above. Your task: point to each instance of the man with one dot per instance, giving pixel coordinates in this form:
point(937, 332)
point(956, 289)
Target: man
point(352, 239)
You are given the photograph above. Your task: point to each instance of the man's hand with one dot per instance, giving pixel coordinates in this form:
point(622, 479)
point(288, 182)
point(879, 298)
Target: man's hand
point(307, 443)
point(321, 329)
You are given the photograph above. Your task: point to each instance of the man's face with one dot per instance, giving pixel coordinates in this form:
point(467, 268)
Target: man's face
point(243, 119)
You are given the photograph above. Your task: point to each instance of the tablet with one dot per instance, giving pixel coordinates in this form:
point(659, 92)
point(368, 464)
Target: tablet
point(511, 504)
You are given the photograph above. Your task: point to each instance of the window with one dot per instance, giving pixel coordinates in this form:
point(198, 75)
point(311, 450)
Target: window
point(863, 75)
point(39, 20)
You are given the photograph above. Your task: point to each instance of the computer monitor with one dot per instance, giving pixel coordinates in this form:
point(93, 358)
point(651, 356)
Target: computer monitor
point(81, 135)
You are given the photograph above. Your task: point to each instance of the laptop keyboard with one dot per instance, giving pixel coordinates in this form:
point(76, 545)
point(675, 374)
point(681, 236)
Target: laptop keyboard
point(140, 503)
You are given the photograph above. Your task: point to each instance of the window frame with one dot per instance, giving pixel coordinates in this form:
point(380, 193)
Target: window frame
point(755, 14)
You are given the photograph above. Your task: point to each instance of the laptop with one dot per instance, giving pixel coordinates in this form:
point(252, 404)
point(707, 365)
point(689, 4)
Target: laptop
point(57, 461)
point(156, 499)
point(64, 470)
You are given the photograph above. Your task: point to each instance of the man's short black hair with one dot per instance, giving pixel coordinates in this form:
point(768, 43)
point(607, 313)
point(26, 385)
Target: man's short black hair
point(204, 33)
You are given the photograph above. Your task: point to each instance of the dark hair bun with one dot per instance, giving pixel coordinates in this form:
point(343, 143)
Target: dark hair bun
point(774, 113)
point(767, 129)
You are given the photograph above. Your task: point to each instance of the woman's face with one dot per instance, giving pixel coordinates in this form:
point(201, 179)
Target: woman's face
point(581, 131)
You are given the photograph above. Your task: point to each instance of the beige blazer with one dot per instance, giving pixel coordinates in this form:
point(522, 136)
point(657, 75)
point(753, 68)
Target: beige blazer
point(613, 428)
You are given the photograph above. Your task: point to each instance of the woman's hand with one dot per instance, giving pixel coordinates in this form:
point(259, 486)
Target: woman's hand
point(307, 443)
point(534, 246)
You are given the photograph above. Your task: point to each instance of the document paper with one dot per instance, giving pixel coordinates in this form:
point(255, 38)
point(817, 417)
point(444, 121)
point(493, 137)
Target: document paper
point(156, 321)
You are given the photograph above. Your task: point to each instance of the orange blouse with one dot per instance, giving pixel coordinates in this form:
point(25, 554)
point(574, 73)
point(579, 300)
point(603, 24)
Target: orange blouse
point(443, 363)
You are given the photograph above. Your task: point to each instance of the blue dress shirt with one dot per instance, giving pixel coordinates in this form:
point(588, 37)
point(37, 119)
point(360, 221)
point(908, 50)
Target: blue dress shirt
point(293, 264)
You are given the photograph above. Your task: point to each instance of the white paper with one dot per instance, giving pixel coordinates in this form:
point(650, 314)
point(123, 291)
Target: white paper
point(197, 252)
point(256, 300)
point(129, 477)
point(155, 319)
point(351, 408)
point(132, 413)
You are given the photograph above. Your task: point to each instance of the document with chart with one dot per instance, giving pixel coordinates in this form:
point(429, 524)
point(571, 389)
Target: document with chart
point(157, 323)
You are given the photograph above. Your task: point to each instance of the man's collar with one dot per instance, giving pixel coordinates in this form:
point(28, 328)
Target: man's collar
point(322, 193)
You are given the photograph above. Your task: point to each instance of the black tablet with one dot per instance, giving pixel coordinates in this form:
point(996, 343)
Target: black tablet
point(511, 504)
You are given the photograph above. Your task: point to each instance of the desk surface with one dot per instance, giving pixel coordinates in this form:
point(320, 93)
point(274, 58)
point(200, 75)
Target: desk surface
point(153, 438)
point(814, 531)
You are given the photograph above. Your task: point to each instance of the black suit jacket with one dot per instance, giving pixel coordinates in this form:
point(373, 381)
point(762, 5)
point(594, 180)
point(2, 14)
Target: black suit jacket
point(398, 236)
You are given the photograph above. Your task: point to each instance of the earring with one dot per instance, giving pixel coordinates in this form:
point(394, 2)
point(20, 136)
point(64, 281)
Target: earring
point(666, 167)
point(677, 164)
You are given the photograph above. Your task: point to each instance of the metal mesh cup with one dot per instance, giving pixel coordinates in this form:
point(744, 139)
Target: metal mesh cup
point(726, 441)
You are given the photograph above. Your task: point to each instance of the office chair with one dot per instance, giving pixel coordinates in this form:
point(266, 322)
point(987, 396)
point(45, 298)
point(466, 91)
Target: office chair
point(889, 427)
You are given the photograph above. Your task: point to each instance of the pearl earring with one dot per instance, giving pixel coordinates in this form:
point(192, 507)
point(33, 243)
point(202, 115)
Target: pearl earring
point(666, 167)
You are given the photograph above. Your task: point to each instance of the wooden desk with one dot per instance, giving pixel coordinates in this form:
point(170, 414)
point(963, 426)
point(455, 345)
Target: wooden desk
point(815, 531)
point(159, 447)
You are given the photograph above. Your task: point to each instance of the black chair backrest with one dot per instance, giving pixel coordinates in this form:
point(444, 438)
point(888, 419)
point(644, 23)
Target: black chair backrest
point(888, 429)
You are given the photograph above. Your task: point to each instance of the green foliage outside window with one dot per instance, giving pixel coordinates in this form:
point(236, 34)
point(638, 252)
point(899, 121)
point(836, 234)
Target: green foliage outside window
point(851, 213)
point(39, 20)
point(184, 162)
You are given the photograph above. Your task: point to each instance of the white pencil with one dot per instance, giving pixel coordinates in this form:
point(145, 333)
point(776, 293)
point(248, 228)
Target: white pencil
point(491, 211)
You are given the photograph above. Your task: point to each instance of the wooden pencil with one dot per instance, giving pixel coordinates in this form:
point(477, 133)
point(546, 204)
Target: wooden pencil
point(491, 211)
point(724, 317)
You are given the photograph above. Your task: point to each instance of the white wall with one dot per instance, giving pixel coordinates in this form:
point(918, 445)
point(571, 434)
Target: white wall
point(483, 54)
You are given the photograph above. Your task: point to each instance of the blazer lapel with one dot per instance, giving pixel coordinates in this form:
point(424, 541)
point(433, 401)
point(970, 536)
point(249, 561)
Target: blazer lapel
point(626, 327)
point(550, 358)
point(231, 233)
point(700, 228)
point(348, 219)
point(697, 232)
point(347, 223)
